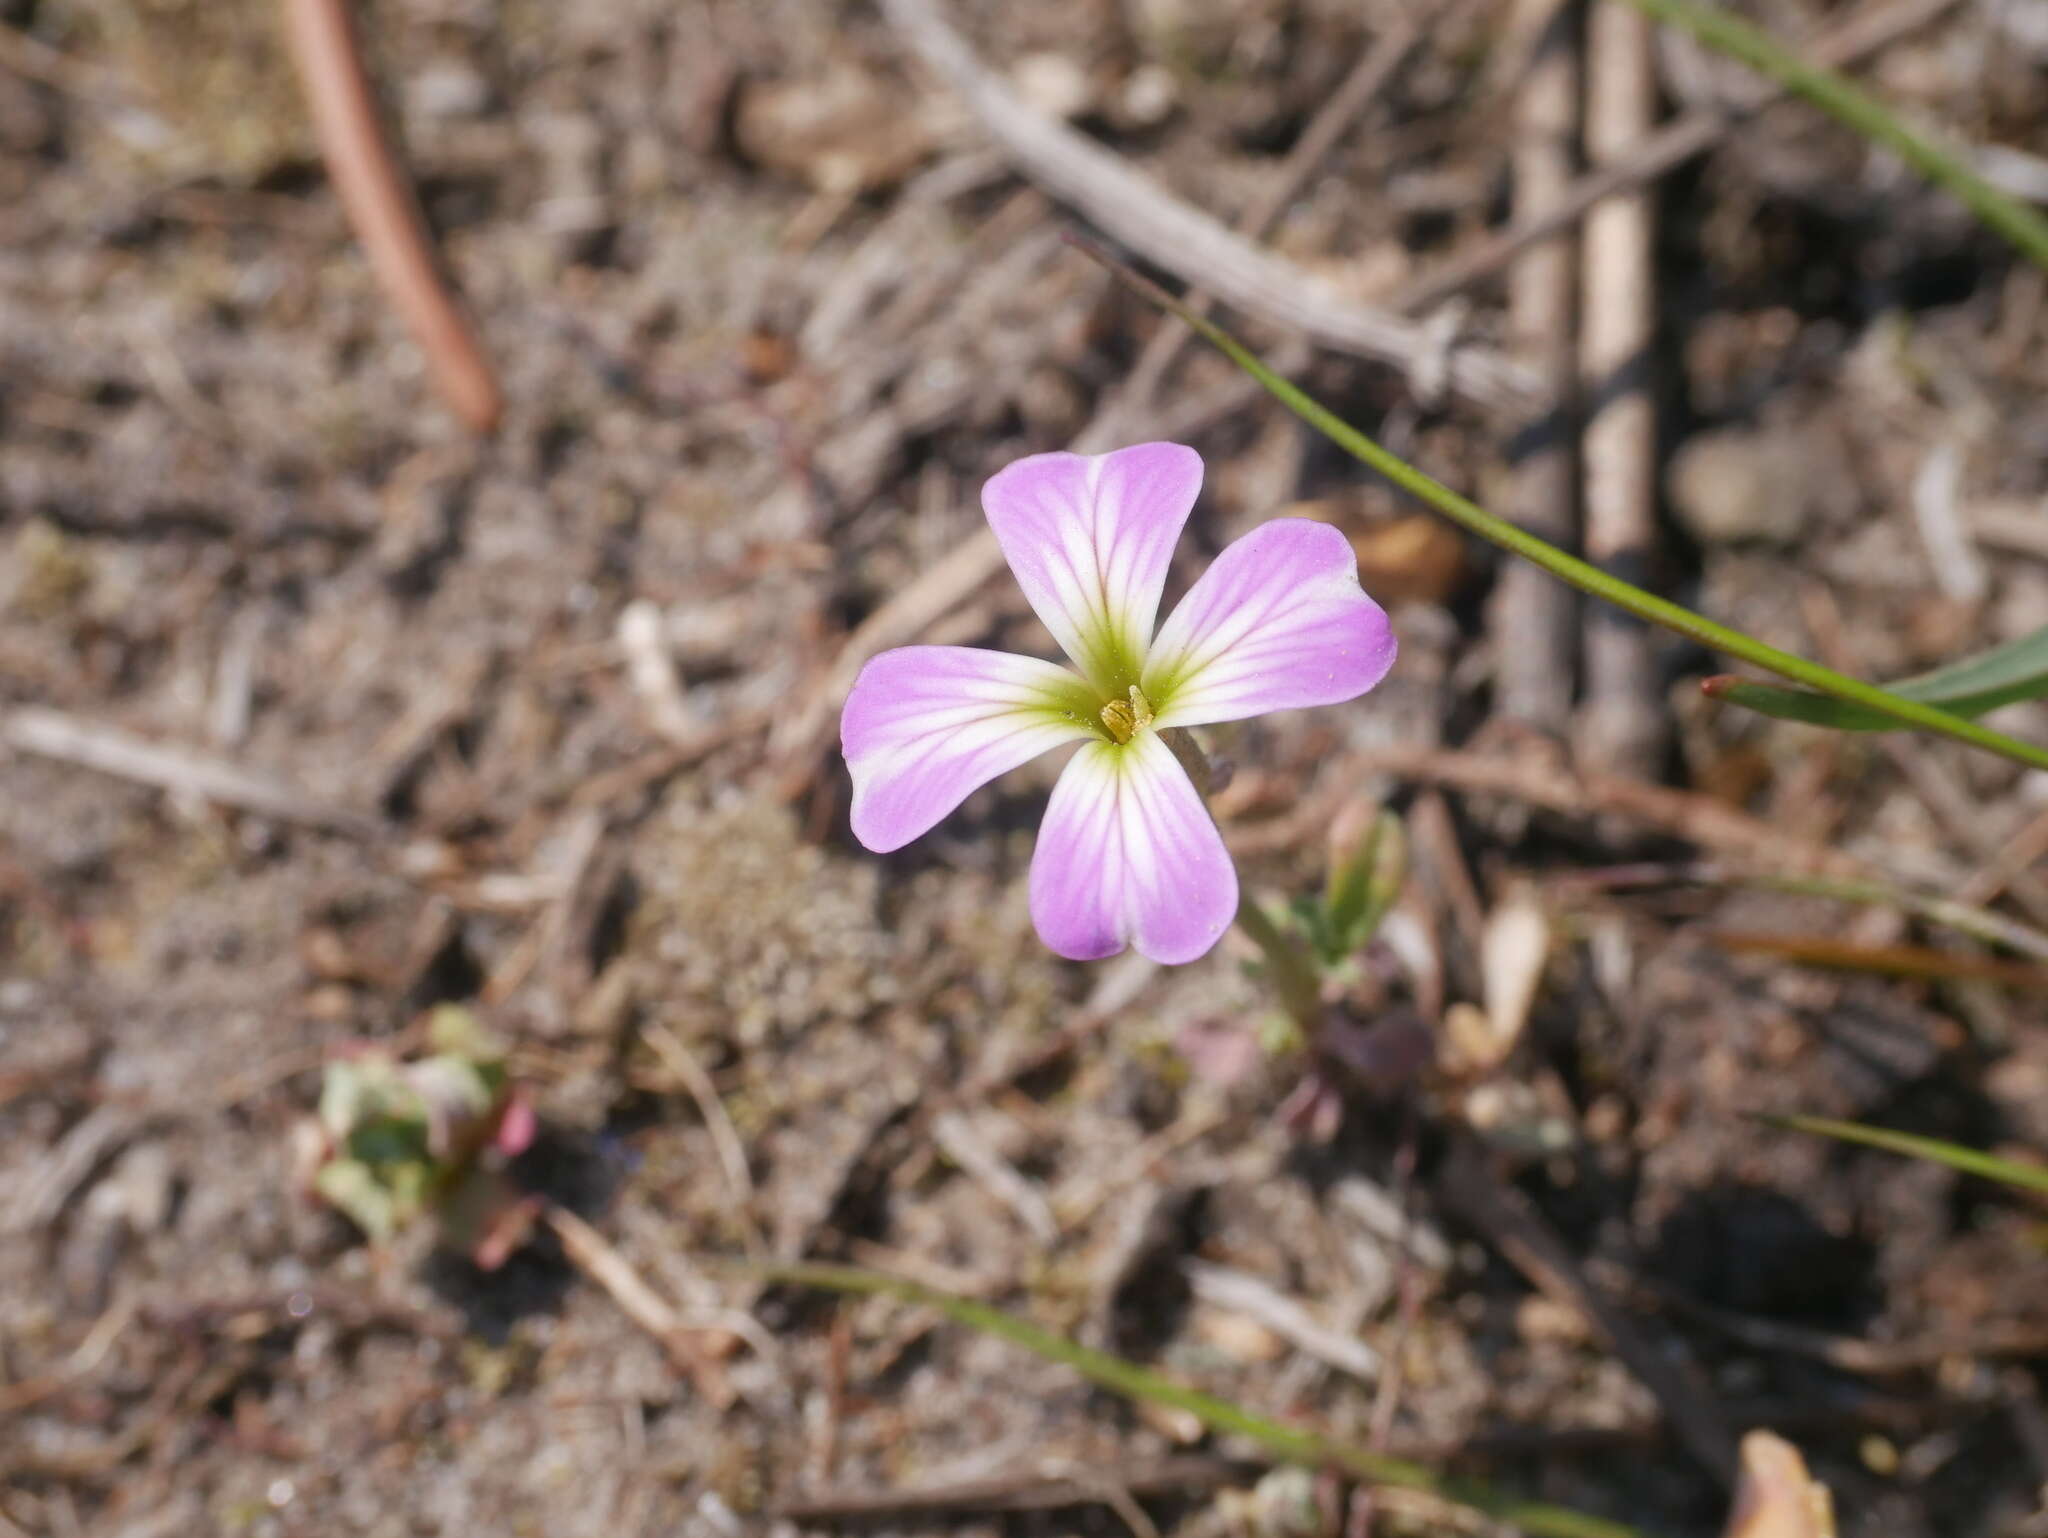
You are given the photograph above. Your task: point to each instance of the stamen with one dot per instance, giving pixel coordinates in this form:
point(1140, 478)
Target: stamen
point(1126, 719)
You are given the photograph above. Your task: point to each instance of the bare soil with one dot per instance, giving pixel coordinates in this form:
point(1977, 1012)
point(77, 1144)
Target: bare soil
point(767, 311)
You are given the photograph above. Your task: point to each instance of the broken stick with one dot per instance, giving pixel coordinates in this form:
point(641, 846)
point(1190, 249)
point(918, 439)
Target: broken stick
point(181, 771)
point(1198, 249)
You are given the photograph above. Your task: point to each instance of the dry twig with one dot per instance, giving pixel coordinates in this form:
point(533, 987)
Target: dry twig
point(725, 1138)
point(570, 869)
point(2019, 854)
point(1196, 248)
point(48, 1186)
point(1947, 799)
point(99, 1340)
point(958, 1140)
point(2017, 525)
point(1863, 34)
point(692, 1350)
point(1368, 78)
point(181, 771)
point(1952, 804)
point(1875, 1358)
point(1698, 819)
point(650, 769)
point(1240, 1292)
point(1888, 960)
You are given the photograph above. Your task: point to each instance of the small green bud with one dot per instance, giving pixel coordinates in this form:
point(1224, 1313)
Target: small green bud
point(1368, 867)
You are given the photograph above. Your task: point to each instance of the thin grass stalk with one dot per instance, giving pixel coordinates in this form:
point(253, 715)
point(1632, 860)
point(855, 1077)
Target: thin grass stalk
point(1568, 568)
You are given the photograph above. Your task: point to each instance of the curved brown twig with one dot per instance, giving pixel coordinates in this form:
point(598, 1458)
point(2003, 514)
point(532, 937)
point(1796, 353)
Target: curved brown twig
point(381, 207)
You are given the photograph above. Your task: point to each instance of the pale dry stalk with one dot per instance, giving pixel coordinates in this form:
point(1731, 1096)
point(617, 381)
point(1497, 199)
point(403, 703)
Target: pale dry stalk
point(1864, 33)
point(1532, 617)
point(1620, 726)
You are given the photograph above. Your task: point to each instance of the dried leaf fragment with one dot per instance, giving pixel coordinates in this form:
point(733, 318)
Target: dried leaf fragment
point(1776, 1497)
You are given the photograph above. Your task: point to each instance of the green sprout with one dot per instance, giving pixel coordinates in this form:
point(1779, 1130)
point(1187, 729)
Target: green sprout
point(396, 1139)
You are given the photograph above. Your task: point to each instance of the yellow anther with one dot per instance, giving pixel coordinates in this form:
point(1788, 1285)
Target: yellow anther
point(1125, 719)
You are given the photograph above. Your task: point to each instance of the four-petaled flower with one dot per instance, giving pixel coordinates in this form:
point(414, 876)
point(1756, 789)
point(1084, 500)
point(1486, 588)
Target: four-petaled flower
point(1127, 853)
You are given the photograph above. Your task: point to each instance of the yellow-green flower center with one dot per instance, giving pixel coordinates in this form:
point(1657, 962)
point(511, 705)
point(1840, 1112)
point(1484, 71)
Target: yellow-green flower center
point(1124, 719)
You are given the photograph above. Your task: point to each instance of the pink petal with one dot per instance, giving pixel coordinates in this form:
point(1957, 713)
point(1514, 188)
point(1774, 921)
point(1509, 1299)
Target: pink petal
point(1277, 623)
point(927, 725)
point(1089, 537)
point(1128, 855)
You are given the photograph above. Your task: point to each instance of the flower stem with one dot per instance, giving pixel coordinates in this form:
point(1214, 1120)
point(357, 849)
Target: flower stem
point(1582, 575)
point(1288, 964)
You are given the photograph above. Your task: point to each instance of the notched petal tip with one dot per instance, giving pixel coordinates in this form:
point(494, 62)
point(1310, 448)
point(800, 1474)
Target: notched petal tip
point(1089, 537)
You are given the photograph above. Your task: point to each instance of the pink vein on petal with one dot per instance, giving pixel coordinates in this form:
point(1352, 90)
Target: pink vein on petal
point(1089, 538)
point(1128, 855)
point(925, 726)
point(1279, 622)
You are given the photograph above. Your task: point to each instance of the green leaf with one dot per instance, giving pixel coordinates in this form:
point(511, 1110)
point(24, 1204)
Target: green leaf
point(352, 1186)
point(1291, 1444)
point(385, 1141)
point(1362, 886)
point(1796, 705)
point(359, 1090)
point(1307, 915)
point(2028, 1177)
point(2015, 671)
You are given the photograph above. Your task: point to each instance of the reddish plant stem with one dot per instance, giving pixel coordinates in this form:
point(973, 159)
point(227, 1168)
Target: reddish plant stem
point(382, 208)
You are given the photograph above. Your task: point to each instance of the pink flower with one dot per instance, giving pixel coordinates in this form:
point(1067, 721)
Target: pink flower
point(1128, 853)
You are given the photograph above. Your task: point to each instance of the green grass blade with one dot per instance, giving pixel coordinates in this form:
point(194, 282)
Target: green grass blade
point(2028, 1177)
point(2017, 670)
point(1796, 705)
point(1582, 575)
point(1729, 34)
point(1978, 923)
point(2005, 674)
point(1291, 1444)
